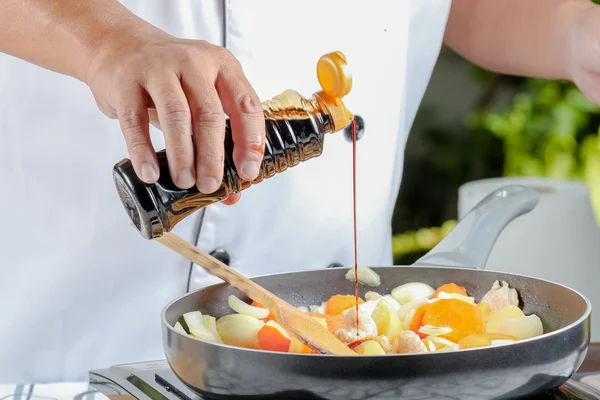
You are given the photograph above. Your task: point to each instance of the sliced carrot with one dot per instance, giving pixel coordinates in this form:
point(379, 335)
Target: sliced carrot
point(450, 288)
point(272, 339)
point(417, 320)
point(464, 318)
point(334, 322)
point(271, 315)
point(338, 303)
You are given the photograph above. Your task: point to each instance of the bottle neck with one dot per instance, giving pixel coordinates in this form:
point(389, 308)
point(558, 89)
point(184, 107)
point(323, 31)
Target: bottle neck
point(320, 115)
point(290, 105)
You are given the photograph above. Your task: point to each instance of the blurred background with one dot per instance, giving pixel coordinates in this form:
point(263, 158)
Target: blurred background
point(474, 124)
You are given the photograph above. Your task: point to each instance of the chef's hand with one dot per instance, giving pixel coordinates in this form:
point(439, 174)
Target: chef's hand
point(183, 87)
point(585, 53)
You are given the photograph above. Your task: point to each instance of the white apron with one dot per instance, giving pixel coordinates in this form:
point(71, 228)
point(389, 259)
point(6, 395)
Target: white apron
point(80, 289)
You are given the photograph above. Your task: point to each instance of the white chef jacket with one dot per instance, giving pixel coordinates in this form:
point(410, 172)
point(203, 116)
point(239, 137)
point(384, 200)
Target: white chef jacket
point(80, 289)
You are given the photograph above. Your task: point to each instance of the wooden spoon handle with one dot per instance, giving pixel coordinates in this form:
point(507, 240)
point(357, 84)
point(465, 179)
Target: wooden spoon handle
point(300, 325)
point(216, 267)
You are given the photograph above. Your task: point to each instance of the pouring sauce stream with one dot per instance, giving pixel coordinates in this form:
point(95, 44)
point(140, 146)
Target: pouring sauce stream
point(354, 200)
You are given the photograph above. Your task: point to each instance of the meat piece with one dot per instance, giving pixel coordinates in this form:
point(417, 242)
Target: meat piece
point(365, 322)
point(408, 342)
point(384, 342)
point(501, 296)
point(349, 335)
point(366, 327)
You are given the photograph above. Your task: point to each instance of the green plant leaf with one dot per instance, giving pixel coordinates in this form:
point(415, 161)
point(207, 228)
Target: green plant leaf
point(567, 120)
point(576, 99)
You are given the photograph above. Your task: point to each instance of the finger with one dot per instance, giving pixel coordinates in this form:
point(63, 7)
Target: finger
point(154, 118)
point(242, 105)
point(232, 199)
point(208, 125)
point(175, 120)
point(133, 120)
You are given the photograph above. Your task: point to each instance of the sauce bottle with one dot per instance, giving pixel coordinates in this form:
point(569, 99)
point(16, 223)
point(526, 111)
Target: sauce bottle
point(295, 130)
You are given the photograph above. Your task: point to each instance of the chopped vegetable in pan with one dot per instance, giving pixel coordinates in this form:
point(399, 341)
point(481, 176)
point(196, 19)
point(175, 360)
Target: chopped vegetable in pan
point(413, 318)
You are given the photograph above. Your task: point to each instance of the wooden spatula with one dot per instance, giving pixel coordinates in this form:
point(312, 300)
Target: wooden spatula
point(297, 323)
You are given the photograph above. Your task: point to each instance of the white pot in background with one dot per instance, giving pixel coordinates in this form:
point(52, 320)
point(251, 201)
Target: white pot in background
point(559, 240)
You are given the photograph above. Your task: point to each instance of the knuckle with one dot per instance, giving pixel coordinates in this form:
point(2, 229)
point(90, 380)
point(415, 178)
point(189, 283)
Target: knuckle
point(212, 160)
point(176, 112)
point(248, 103)
point(183, 154)
point(255, 142)
point(137, 147)
point(130, 70)
point(186, 53)
point(209, 117)
point(131, 120)
point(225, 57)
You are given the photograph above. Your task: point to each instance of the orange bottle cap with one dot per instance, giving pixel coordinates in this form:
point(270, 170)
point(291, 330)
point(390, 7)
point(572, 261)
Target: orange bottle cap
point(335, 79)
point(334, 75)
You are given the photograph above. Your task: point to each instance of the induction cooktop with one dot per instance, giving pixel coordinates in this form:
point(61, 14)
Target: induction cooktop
point(156, 381)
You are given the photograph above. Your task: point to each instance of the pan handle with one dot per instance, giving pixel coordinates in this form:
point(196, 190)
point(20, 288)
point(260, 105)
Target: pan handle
point(471, 241)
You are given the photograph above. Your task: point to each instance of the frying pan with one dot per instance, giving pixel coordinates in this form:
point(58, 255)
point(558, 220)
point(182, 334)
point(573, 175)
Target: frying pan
point(527, 367)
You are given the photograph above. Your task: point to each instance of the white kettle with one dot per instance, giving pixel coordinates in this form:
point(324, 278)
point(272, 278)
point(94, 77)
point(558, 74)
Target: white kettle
point(558, 241)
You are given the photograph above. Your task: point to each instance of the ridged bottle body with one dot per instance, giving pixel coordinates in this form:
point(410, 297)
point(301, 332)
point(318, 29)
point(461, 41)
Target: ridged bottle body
point(295, 130)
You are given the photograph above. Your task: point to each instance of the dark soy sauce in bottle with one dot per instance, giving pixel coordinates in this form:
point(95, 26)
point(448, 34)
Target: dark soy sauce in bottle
point(295, 130)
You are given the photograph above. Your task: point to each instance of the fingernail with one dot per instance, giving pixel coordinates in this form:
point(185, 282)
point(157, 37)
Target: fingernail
point(250, 169)
point(208, 185)
point(149, 173)
point(186, 178)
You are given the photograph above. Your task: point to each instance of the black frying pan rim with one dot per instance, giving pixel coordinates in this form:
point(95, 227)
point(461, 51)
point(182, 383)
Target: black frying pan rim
point(523, 342)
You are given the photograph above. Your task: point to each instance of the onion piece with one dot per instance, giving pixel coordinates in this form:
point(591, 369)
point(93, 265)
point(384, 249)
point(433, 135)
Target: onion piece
point(495, 319)
point(366, 276)
point(239, 330)
point(241, 307)
point(434, 330)
point(406, 309)
point(408, 318)
point(198, 329)
point(372, 296)
point(430, 345)
point(211, 324)
point(457, 296)
point(411, 291)
point(521, 328)
point(179, 328)
point(391, 301)
point(445, 348)
point(303, 309)
point(443, 343)
point(322, 309)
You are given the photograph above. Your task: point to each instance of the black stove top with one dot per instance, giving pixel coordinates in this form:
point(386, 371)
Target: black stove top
point(156, 381)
